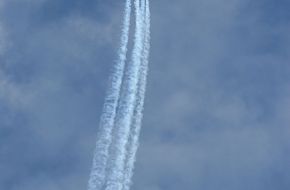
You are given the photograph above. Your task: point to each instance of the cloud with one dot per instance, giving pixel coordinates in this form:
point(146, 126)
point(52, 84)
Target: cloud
point(52, 80)
point(217, 77)
point(217, 105)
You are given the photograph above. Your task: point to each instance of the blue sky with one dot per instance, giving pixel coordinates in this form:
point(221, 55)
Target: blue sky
point(217, 106)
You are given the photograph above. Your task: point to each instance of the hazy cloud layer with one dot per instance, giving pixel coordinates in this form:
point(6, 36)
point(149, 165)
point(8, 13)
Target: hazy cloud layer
point(218, 100)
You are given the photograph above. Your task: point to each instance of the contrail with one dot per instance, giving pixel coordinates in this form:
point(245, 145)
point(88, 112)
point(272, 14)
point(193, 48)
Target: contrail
point(120, 123)
point(126, 109)
point(98, 171)
point(138, 114)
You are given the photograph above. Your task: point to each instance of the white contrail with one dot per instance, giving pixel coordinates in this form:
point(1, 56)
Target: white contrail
point(126, 109)
point(98, 171)
point(138, 114)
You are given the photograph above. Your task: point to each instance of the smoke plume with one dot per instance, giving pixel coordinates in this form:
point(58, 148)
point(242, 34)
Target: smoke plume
point(120, 124)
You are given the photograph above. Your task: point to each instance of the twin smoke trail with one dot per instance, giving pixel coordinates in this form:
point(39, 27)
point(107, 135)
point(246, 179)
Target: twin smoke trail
point(120, 123)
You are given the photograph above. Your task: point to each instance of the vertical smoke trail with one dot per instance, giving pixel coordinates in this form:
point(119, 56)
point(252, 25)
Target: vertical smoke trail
point(98, 171)
point(126, 109)
point(138, 114)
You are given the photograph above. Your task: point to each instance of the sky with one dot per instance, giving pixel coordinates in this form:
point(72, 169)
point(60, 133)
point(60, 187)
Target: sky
point(218, 99)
